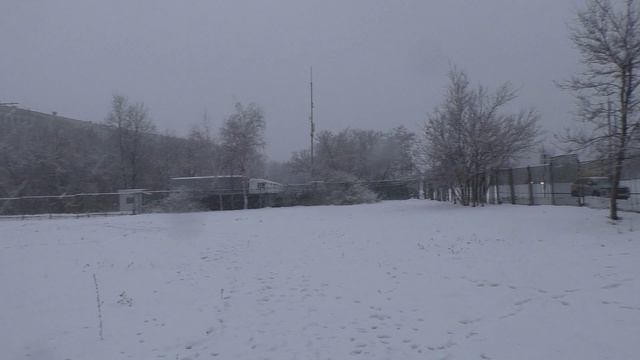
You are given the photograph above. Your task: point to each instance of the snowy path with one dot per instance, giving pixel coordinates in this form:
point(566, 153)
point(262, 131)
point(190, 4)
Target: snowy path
point(395, 280)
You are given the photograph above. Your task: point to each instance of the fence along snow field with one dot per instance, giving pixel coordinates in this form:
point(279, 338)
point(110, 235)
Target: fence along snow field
point(564, 181)
point(209, 193)
point(63, 205)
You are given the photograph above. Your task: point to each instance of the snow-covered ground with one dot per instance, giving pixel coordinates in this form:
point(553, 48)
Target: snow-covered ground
point(394, 280)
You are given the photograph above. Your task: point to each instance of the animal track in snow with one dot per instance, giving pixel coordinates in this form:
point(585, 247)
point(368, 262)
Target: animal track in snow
point(469, 321)
point(444, 346)
point(522, 302)
point(611, 286)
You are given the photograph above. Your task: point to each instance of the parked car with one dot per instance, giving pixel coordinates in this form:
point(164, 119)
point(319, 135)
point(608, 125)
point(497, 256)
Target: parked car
point(597, 186)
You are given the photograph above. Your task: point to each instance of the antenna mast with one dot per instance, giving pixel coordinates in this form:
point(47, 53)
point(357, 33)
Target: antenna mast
point(313, 126)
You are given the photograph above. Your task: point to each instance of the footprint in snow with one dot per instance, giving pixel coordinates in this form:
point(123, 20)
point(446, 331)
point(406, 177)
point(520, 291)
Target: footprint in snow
point(521, 302)
point(610, 286)
point(469, 321)
point(471, 334)
point(444, 346)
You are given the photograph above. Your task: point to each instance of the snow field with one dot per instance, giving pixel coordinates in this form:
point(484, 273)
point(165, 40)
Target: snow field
point(393, 280)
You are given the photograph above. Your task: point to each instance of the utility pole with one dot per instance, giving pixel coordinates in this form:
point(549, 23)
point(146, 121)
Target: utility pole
point(313, 126)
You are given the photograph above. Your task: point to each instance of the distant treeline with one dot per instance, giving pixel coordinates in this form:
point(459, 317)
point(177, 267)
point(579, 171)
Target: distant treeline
point(355, 155)
point(42, 154)
point(45, 154)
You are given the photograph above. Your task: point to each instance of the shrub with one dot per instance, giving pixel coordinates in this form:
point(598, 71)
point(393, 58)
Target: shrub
point(182, 201)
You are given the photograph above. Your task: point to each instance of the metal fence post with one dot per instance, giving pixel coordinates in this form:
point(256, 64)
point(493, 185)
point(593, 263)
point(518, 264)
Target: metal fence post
point(511, 187)
point(551, 183)
point(474, 190)
point(484, 188)
point(530, 183)
point(497, 185)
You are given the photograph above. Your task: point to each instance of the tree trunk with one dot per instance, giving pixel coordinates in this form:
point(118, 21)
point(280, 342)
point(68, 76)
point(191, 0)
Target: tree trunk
point(245, 196)
point(613, 200)
point(617, 174)
point(625, 96)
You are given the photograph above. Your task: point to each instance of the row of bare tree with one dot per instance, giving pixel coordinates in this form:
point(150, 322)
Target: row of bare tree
point(42, 154)
point(237, 150)
point(470, 133)
point(607, 35)
point(354, 154)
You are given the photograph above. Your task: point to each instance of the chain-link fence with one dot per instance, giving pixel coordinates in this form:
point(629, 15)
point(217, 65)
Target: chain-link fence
point(87, 204)
point(565, 181)
point(134, 201)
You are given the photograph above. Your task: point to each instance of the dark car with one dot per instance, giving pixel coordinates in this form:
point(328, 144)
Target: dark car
point(597, 186)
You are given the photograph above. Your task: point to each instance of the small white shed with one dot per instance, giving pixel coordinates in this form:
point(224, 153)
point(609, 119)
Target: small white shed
point(131, 200)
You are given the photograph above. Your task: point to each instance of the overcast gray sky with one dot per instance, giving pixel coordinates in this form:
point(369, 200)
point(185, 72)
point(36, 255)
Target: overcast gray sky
point(377, 63)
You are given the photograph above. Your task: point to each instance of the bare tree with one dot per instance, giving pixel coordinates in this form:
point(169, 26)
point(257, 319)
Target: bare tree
point(281, 172)
point(300, 165)
point(468, 134)
point(242, 141)
point(358, 154)
point(394, 158)
point(203, 155)
point(608, 39)
point(133, 128)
